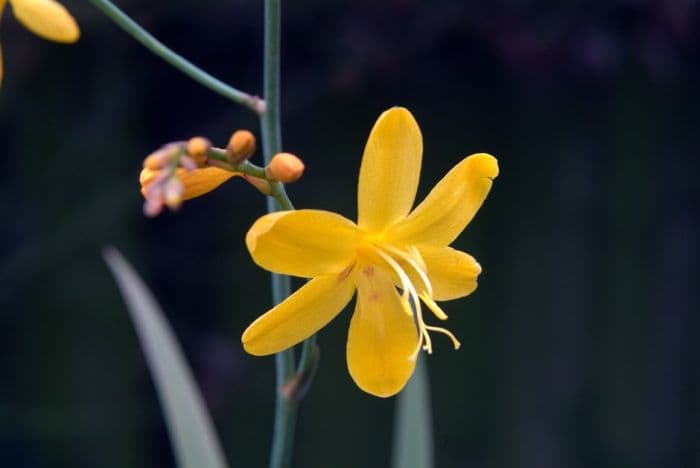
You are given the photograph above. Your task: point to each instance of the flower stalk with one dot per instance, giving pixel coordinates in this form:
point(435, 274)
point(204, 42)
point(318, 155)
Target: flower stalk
point(286, 402)
point(252, 102)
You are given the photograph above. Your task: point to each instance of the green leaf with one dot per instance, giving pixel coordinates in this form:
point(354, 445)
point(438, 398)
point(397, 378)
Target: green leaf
point(189, 425)
point(413, 427)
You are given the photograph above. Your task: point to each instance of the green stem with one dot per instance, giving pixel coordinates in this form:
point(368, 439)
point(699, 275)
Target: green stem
point(278, 198)
point(413, 426)
point(217, 157)
point(270, 120)
point(307, 358)
point(285, 407)
point(254, 103)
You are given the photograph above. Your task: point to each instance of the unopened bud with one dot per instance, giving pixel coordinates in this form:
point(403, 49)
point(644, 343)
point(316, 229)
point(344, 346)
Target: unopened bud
point(197, 148)
point(146, 178)
point(152, 207)
point(241, 146)
point(162, 157)
point(284, 167)
point(188, 163)
point(172, 193)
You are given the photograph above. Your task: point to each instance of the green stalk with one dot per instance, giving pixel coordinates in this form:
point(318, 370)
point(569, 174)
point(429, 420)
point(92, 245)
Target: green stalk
point(188, 68)
point(413, 425)
point(270, 124)
point(291, 382)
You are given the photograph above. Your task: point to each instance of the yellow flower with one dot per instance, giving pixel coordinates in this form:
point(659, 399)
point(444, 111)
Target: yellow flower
point(389, 247)
point(45, 18)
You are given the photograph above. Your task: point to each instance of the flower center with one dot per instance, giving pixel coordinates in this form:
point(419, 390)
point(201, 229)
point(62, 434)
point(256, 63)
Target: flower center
point(409, 268)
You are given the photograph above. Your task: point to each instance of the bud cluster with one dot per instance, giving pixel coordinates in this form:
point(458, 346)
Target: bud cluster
point(160, 184)
point(186, 169)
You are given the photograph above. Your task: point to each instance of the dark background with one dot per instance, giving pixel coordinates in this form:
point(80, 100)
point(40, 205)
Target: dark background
point(580, 347)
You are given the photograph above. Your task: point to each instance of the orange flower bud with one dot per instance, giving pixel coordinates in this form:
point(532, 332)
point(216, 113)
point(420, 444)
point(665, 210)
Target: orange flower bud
point(241, 146)
point(152, 207)
point(155, 161)
point(173, 192)
point(146, 178)
point(197, 148)
point(161, 157)
point(284, 167)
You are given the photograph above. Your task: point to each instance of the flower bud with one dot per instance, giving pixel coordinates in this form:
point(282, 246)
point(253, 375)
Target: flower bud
point(152, 207)
point(284, 167)
point(188, 163)
point(146, 178)
point(173, 192)
point(197, 148)
point(161, 157)
point(241, 146)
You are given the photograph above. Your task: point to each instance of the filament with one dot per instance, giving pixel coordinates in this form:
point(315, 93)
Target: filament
point(411, 296)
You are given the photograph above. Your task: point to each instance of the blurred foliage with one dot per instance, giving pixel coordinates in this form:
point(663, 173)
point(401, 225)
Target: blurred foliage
point(580, 347)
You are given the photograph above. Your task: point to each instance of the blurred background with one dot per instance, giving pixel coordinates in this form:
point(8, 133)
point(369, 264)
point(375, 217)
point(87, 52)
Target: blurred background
point(581, 345)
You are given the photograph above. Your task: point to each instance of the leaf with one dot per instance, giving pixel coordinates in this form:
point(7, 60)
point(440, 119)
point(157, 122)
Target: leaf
point(413, 427)
point(189, 425)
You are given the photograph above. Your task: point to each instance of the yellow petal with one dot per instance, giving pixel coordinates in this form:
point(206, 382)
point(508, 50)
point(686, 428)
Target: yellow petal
point(452, 273)
point(299, 316)
point(196, 182)
point(305, 243)
point(390, 170)
point(382, 336)
point(203, 180)
point(451, 205)
point(46, 18)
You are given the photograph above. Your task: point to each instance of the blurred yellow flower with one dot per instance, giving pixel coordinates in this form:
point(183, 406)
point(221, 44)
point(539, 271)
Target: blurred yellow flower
point(45, 18)
point(389, 247)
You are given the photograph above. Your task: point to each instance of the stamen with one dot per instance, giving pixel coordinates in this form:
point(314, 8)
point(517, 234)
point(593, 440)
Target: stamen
point(406, 284)
point(417, 255)
point(409, 289)
point(409, 292)
point(444, 331)
point(432, 305)
point(428, 294)
point(412, 263)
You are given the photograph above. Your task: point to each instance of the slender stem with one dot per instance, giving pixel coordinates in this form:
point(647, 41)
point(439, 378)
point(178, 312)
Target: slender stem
point(270, 120)
point(307, 358)
point(254, 103)
point(285, 407)
point(217, 157)
point(413, 425)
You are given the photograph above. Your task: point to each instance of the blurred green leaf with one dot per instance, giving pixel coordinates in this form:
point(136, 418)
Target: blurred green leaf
point(413, 426)
point(189, 425)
